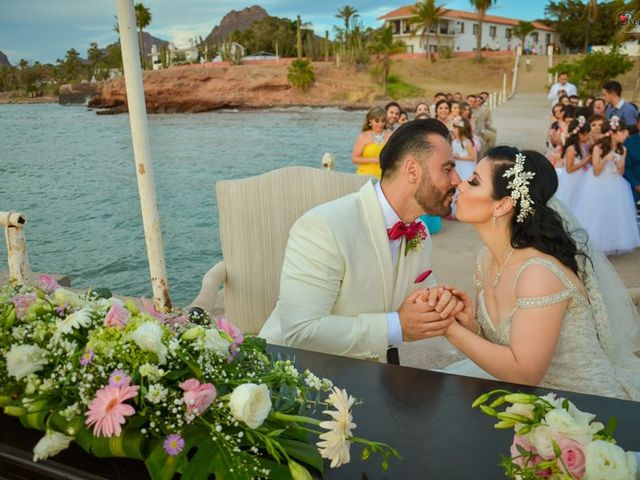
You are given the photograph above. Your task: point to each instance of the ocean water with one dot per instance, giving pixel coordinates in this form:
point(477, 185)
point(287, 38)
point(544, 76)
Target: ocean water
point(72, 173)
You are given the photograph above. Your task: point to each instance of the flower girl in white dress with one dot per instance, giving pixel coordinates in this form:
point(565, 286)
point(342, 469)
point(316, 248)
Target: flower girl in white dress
point(605, 206)
point(577, 163)
point(464, 151)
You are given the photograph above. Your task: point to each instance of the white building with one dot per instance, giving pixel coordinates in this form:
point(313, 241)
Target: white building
point(457, 30)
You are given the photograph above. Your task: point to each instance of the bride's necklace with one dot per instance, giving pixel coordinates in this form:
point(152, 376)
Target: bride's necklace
point(494, 282)
point(378, 137)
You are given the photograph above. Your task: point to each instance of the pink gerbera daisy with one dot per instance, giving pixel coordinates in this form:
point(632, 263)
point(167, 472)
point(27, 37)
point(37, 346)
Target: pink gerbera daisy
point(107, 411)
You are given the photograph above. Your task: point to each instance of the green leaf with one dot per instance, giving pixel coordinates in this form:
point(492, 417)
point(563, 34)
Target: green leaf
point(193, 365)
point(128, 444)
point(277, 471)
point(612, 423)
point(160, 465)
point(305, 452)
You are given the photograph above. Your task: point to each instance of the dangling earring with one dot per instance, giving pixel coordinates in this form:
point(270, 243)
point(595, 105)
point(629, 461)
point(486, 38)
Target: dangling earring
point(494, 220)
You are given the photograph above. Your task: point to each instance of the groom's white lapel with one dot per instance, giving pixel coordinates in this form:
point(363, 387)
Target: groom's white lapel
point(378, 233)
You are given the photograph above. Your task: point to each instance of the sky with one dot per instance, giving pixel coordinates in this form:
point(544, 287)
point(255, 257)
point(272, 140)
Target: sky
point(43, 30)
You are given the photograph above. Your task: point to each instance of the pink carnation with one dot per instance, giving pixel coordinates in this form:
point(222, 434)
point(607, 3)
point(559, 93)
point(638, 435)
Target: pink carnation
point(48, 283)
point(22, 303)
point(117, 316)
point(197, 396)
point(573, 457)
point(234, 332)
point(107, 411)
point(148, 307)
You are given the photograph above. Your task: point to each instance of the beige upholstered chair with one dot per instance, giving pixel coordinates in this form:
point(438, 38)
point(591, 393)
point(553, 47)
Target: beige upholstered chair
point(256, 215)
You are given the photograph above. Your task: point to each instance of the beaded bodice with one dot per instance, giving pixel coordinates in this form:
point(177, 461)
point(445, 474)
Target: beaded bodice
point(580, 362)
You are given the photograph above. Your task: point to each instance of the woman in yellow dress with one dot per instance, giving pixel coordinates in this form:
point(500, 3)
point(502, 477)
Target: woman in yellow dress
point(366, 151)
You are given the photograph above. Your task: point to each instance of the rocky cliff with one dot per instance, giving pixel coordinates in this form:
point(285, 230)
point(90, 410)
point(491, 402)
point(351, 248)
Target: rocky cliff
point(199, 88)
point(235, 20)
point(4, 60)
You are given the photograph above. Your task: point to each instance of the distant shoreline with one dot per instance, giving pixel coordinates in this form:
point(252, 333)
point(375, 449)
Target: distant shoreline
point(7, 99)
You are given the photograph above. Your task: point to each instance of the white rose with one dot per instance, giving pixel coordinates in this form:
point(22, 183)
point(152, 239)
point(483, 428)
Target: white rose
point(542, 439)
point(215, 342)
point(23, 360)
point(49, 445)
point(250, 403)
point(524, 409)
point(606, 461)
point(148, 337)
point(566, 425)
point(62, 296)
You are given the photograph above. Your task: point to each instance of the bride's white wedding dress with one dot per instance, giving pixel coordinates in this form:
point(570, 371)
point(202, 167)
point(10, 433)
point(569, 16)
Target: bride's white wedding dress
point(599, 333)
point(580, 362)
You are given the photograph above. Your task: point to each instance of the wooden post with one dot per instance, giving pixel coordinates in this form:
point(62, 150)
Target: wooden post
point(17, 257)
point(142, 153)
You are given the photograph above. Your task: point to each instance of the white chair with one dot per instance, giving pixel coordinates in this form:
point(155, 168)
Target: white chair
point(255, 216)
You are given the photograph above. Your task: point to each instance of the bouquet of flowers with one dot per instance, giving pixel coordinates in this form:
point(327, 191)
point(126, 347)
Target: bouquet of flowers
point(183, 393)
point(553, 439)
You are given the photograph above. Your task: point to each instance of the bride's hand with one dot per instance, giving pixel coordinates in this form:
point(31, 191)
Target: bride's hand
point(466, 305)
point(442, 300)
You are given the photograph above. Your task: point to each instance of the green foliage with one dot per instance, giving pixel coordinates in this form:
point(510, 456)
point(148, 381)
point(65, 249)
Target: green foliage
point(427, 15)
point(398, 89)
point(522, 30)
point(594, 69)
point(301, 74)
point(71, 67)
point(383, 45)
point(570, 17)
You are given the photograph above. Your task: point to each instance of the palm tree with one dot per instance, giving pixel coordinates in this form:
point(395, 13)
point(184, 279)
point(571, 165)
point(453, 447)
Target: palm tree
point(427, 14)
point(143, 19)
point(591, 12)
point(346, 13)
point(522, 30)
point(384, 46)
point(481, 7)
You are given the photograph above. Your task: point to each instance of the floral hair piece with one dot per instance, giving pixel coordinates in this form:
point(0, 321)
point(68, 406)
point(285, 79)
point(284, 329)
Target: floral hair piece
point(519, 187)
point(581, 122)
point(614, 122)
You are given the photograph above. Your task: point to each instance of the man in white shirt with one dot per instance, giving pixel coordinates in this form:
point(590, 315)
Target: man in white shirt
point(563, 87)
point(349, 283)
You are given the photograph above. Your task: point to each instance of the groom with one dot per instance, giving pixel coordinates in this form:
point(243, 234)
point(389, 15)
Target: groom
point(354, 267)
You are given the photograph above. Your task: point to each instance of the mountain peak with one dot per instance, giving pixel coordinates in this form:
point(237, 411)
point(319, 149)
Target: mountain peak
point(237, 20)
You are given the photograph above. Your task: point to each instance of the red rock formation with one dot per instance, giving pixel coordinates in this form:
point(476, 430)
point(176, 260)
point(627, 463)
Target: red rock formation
point(199, 88)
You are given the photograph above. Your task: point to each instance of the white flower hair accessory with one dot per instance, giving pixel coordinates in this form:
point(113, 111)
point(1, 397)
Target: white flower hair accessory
point(614, 122)
point(581, 122)
point(519, 187)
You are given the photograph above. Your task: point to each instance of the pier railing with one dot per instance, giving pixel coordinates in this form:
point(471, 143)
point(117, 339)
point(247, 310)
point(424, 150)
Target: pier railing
point(13, 223)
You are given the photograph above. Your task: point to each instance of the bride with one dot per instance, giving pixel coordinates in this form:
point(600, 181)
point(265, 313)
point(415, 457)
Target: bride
point(544, 296)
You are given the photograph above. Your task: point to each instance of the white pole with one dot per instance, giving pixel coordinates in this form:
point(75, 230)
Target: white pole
point(515, 73)
point(550, 54)
point(17, 258)
point(504, 86)
point(141, 152)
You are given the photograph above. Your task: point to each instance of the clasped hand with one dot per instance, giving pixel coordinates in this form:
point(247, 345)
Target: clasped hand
point(429, 313)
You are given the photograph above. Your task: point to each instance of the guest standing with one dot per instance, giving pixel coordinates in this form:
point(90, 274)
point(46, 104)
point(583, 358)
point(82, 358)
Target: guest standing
point(616, 105)
point(366, 150)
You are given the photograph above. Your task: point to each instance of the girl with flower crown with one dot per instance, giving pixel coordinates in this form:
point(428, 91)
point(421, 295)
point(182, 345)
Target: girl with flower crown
point(605, 206)
point(577, 161)
point(464, 151)
point(542, 315)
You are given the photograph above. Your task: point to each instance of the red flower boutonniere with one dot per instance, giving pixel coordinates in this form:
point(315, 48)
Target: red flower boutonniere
point(416, 233)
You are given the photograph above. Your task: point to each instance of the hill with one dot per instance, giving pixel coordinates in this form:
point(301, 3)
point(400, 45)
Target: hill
point(236, 20)
point(148, 41)
point(4, 60)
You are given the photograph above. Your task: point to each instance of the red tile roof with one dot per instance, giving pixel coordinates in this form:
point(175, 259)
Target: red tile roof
point(406, 11)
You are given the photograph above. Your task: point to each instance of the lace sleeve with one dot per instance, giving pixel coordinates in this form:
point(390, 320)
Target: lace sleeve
point(545, 300)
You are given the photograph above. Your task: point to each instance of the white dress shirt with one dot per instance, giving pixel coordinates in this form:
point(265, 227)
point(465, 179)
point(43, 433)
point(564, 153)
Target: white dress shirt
point(569, 88)
point(390, 219)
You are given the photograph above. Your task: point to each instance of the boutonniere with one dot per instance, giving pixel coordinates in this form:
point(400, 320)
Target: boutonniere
point(416, 233)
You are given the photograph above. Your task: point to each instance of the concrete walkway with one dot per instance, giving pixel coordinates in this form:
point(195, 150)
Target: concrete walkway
point(521, 122)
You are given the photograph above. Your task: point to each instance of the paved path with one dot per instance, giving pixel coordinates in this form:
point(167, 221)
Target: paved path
point(521, 122)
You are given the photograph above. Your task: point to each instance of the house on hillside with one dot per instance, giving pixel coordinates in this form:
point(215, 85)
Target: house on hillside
point(232, 50)
point(457, 31)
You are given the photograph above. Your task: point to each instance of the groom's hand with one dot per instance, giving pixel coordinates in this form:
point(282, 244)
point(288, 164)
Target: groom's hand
point(420, 320)
point(443, 301)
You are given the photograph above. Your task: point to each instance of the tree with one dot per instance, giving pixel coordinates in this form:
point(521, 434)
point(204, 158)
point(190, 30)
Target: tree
point(522, 30)
point(384, 46)
point(427, 14)
point(346, 13)
point(71, 66)
point(143, 20)
point(591, 13)
point(481, 7)
point(95, 60)
point(568, 18)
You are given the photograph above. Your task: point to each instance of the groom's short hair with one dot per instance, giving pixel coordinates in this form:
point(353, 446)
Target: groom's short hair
point(410, 138)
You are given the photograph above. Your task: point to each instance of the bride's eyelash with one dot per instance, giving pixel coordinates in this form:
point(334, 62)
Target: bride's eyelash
point(473, 181)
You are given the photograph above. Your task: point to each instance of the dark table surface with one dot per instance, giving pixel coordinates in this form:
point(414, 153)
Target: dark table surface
point(425, 415)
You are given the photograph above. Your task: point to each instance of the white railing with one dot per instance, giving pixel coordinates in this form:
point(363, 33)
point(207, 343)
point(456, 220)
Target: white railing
point(15, 239)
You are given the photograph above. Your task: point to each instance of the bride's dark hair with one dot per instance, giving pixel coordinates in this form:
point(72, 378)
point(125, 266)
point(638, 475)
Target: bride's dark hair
point(542, 229)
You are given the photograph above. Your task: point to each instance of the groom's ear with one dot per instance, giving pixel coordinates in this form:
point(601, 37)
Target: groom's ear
point(411, 169)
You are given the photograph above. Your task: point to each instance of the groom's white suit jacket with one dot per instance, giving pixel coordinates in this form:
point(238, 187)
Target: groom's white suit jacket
point(338, 280)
